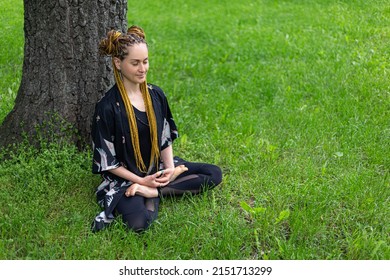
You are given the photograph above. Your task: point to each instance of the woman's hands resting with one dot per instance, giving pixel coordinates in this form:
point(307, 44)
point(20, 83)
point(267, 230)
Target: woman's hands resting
point(158, 179)
point(163, 177)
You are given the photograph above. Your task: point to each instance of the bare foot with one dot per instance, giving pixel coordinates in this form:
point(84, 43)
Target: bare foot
point(137, 189)
point(178, 170)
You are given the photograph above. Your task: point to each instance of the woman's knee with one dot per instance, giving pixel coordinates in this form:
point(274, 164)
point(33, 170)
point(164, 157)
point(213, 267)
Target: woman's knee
point(215, 174)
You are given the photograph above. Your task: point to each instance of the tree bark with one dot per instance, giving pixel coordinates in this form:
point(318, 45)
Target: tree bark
point(63, 75)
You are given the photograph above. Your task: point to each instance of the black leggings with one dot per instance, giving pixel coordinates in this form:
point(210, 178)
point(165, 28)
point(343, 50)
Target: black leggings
point(139, 212)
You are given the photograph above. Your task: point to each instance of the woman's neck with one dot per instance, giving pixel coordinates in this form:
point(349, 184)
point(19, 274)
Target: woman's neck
point(132, 89)
point(135, 95)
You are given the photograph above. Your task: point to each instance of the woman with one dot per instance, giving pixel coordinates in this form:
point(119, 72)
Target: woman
point(132, 133)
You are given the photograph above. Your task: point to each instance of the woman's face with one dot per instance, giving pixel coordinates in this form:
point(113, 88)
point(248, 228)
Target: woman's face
point(135, 65)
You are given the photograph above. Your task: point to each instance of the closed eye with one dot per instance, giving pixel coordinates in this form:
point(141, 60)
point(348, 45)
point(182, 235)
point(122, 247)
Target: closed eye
point(135, 62)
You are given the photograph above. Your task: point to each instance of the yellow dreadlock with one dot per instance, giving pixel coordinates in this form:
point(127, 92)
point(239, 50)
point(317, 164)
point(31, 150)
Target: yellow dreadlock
point(155, 150)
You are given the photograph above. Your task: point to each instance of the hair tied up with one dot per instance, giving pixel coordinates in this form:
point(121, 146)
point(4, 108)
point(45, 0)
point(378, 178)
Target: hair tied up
point(136, 30)
point(115, 44)
point(109, 45)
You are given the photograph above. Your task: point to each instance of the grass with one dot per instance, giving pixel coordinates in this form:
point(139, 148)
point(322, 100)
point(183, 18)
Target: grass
point(290, 98)
point(11, 56)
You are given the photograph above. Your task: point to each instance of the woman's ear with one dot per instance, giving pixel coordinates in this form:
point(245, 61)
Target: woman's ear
point(117, 63)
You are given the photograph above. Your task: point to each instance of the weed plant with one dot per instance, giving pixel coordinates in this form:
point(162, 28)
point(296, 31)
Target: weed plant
point(290, 98)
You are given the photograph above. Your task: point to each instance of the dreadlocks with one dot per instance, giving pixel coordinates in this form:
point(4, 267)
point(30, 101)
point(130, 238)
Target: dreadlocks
point(116, 45)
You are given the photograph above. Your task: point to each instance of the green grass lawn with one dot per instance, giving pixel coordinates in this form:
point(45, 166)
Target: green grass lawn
point(290, 98)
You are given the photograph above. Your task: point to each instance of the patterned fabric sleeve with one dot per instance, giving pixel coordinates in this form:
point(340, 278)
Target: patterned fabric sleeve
point(104, 155)
point(169, 133)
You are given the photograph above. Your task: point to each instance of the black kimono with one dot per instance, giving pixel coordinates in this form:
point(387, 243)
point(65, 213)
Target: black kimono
point(112, 145)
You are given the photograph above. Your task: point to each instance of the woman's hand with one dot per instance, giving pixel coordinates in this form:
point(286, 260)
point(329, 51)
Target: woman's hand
point(171, 174)
point(158, 179)
point(165, 176)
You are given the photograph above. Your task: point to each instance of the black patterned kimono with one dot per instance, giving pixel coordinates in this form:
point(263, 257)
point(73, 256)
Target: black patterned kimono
point(112, 145)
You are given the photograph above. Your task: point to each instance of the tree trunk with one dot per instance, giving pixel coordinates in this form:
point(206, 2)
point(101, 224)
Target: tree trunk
point(63, 75)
